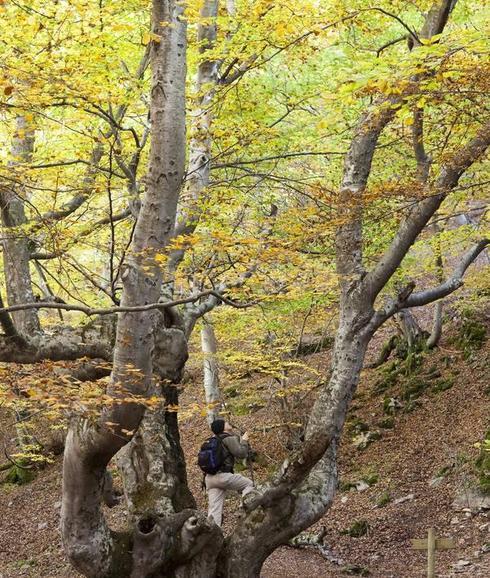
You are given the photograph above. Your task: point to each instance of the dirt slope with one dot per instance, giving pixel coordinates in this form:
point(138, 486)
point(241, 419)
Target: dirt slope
point(438, 435)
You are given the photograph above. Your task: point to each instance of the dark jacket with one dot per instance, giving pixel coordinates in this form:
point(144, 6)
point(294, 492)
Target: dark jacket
point(234, 448)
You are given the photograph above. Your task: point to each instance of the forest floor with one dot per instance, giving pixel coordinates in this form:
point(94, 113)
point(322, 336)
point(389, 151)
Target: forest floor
point(417, 467)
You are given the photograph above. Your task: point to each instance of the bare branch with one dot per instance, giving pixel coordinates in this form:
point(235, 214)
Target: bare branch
point(407, 298)
point(110, 310)
point(412, 33)
point(390, 43)
point(277, 157)
point(454, 282)
point(46, 256)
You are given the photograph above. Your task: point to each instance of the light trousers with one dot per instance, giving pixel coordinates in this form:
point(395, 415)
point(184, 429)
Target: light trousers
point(217, 485)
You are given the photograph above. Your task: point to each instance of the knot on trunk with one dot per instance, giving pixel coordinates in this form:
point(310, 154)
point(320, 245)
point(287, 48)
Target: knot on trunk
point(170, 353)
point(163, 543)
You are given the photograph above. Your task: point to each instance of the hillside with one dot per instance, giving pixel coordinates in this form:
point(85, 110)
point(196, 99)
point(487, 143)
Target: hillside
point(394, 489)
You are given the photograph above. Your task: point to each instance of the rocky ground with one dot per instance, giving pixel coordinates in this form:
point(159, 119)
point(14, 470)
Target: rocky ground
point(391, 491)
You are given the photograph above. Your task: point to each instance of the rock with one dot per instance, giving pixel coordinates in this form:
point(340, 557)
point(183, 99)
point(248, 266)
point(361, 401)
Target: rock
point(471, 500)
point(461, 565)
point(57, 505)
point(454, 520)
point(436, 482)
point(361, 486)
point(344, 499)
point(355, 570)
point(408, 498)
point(364, 439)
point(42, 526)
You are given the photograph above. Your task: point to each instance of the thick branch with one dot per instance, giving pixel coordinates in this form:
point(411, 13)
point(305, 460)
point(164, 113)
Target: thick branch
point(420, 215)
point(429, 295)
point(197, 177)
point(454, 282)
point(57, 348)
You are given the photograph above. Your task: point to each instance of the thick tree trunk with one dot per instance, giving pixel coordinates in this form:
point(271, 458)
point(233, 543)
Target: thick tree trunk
point(16, 251)
point(91, 546)
point(265, 529)
point(153, 464)
point(436, 331)
point(200, 145)
point(184, 544)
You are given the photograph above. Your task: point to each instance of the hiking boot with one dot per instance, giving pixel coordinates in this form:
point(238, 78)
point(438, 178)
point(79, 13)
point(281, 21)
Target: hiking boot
point(249, 498)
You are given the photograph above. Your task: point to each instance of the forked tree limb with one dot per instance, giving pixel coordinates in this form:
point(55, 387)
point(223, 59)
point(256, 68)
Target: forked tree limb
point(420, 215)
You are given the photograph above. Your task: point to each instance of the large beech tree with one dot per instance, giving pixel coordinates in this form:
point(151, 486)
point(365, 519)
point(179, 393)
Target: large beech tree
point(167, 536)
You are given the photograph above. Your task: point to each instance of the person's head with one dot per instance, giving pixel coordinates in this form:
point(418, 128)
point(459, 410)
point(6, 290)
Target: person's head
point(219, 426)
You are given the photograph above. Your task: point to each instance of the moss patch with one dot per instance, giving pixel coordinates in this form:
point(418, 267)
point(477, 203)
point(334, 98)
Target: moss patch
point(357, 529)
point(482, 465)
point(471, 335)
point(18, 476)
point(383, 499)
point(443, 384)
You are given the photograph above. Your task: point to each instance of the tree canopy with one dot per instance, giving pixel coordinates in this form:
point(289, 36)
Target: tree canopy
point(283, 165)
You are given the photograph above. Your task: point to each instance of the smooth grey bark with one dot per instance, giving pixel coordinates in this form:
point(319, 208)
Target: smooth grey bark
point(174, 544)
point(436, 331)
point(157, 545)
point(209, 347)
point(198, 171)
point(94, 340)
point(423, 211)
point(152, 465)
point(16, 250)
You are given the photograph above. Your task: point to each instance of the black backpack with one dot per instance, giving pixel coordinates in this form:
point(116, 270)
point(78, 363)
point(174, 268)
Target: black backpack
point(212, 455)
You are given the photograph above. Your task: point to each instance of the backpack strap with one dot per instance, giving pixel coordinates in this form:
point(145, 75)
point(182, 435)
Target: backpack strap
point(223, 436)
